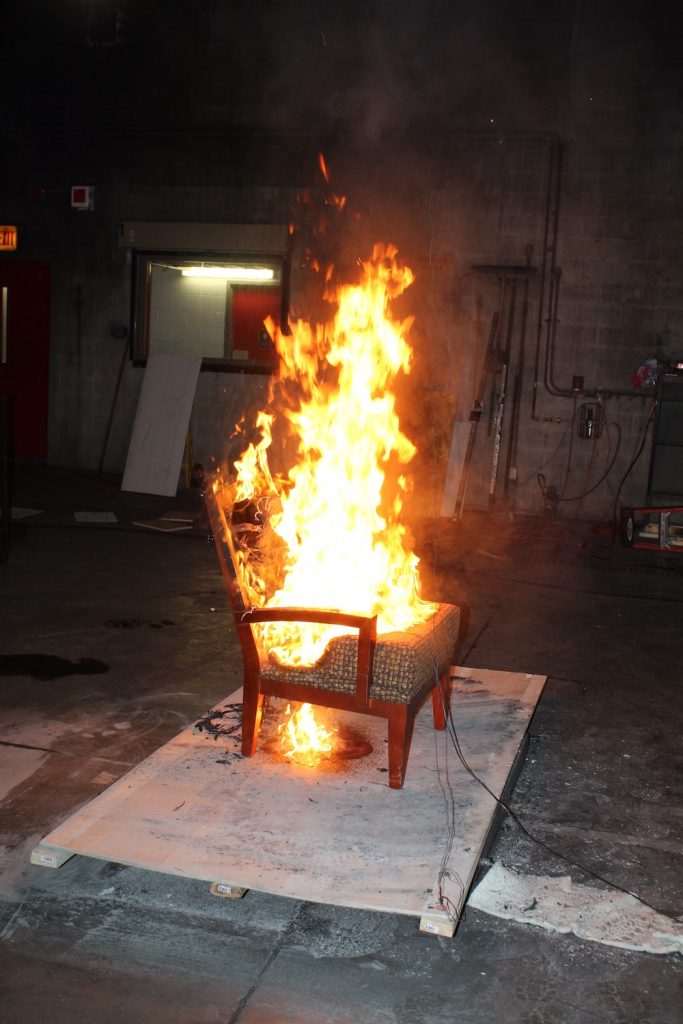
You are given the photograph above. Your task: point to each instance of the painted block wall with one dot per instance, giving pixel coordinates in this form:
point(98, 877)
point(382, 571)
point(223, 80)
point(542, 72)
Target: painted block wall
point(438, 126)
point(187, 316)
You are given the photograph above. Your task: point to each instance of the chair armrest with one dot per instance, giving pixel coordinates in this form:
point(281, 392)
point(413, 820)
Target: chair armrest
point(326, 616)
point(365, 624)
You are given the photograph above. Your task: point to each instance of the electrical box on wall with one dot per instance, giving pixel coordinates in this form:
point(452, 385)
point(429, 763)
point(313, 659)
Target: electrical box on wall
point(591, 421)
point(82, 197)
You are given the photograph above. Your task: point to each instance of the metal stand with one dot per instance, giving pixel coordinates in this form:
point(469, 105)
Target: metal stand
point(493, 385)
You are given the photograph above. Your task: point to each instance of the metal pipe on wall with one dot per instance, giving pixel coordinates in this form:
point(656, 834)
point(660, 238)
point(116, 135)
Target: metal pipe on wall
point(553, 273)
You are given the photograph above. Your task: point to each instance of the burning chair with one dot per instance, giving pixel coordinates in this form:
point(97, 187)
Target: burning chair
point(389, 676)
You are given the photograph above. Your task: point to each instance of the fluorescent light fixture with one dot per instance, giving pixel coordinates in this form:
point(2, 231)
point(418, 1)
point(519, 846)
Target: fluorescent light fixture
point(236, 274)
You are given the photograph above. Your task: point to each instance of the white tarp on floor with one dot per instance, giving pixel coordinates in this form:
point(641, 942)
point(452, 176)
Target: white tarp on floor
point(560, 905)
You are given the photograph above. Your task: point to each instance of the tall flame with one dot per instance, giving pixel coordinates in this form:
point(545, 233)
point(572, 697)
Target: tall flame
point(343, 546)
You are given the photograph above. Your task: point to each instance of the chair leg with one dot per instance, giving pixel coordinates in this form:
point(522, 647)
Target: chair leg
point(252, 710)
point(441, 699)
point(401, 722)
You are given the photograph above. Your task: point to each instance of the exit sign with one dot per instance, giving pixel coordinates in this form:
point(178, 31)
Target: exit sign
point(8, 237)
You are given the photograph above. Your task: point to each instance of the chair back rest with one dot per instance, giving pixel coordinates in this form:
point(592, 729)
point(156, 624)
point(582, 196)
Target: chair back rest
point(220, 517)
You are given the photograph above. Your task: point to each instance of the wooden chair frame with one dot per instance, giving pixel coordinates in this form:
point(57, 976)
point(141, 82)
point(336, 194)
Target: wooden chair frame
point(400, 716)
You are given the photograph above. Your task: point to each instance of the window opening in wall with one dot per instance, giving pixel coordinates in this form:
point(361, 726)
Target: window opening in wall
point(209, 305)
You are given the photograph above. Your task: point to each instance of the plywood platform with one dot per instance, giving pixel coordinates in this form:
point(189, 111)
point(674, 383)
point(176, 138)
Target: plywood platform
point(196, 808)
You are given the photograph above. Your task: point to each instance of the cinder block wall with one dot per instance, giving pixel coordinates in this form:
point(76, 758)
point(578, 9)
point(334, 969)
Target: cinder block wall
point(439, 126)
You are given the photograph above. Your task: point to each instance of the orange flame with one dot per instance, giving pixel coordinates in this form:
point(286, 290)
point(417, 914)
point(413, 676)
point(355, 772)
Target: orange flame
point(337, 526)
point(323, 167)
point(338, 201)
point(302, 738)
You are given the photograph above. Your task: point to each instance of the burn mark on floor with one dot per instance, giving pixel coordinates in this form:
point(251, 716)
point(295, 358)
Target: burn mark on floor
point(223, 721)
point(47, 667)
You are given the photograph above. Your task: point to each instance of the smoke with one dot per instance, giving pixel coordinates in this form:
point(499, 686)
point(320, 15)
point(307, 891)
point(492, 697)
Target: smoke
point(372, 68)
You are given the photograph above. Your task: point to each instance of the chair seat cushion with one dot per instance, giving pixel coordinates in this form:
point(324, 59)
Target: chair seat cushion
point(404, 662)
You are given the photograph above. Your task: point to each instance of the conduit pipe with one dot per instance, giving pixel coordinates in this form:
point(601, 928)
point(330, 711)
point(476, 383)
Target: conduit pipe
point(550, 277)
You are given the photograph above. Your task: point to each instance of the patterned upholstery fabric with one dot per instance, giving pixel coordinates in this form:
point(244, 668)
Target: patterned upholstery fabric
point(403, 662)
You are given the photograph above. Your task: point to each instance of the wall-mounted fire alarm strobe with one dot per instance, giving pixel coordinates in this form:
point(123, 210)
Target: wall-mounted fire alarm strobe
point(82, 197)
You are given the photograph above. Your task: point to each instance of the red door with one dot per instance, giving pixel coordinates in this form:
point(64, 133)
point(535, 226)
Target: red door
point(251, 304)
point(24, 352)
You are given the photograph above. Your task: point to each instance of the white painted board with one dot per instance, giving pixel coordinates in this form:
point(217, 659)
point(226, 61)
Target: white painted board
point(195, 808)
point(155, 453)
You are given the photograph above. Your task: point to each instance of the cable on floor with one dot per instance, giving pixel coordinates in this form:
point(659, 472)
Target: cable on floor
point(450, 725)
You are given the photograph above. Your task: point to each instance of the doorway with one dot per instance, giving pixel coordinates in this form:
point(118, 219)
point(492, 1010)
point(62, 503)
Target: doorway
point(24, 353)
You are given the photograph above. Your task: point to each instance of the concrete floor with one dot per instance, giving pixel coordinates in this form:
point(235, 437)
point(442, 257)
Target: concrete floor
point(114, 638)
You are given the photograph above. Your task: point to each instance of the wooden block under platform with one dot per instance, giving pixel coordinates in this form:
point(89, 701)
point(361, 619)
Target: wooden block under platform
point(46, 856)
point(334, 834)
